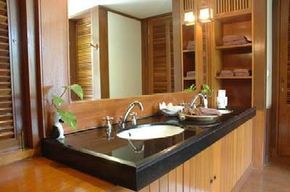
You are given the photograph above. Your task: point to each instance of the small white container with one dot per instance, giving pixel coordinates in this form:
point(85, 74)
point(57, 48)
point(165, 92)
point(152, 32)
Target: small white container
point(222, 99)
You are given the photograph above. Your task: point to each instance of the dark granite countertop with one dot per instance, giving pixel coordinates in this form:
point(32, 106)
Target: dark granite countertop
point(117, 160)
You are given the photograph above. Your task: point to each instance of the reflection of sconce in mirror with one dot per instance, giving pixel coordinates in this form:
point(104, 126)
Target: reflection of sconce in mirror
point(205, 15)
point(189, 18)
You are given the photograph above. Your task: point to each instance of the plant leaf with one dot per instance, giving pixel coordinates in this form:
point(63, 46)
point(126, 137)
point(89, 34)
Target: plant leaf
point(68, 118)
point(78, 90)
point(206, 90)
point(190, 88)
point(57, 101)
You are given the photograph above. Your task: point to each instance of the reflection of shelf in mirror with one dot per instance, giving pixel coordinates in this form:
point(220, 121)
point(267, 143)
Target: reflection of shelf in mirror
point(189, 78)
point(188, 51)
point(234, 17)
point(235, 77)
point(248, 45)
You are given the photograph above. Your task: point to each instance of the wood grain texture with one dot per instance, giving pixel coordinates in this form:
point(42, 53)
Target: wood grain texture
point(177, 23)
point(52, 53)
point(91, 113)
point(160, 66)
point(259, 91)
point(210, 170)
point(14, 156)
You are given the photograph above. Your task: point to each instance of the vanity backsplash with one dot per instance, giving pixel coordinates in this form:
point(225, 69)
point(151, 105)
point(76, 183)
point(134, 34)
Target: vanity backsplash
point(90, 114)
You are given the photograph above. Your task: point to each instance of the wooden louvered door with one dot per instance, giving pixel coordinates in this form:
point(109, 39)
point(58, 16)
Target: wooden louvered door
point(161, 69)
point(81, 55)
point(284, 99)
point(84, 56)
point(10, 121)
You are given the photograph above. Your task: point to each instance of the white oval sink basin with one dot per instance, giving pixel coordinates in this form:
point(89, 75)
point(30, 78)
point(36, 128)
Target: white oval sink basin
point(150, 132)
point(225, 111)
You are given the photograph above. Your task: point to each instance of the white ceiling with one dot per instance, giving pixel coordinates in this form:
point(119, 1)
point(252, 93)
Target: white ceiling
point(137, 8)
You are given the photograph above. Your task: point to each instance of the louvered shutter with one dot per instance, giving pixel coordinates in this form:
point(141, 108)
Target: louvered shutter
point(6, 106)
point(84, 56)
point(161, 55)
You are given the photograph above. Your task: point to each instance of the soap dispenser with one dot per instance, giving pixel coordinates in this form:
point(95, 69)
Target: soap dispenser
point(222, 99)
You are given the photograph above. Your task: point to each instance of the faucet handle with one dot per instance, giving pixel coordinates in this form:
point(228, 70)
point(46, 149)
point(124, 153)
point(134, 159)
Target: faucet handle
point(108, 120)
point(133, 118)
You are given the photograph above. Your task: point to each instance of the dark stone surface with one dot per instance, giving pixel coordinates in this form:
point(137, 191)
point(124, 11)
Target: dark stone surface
point(115, 161)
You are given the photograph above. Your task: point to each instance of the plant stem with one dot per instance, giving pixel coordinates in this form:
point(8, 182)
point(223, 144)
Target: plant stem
point(65, 88)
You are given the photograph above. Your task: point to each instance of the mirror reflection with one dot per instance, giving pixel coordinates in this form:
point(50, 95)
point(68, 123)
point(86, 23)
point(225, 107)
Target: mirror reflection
point(121, 48)
point(124, 48)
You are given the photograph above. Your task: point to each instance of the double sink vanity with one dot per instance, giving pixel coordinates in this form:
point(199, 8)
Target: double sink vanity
point(136, 154)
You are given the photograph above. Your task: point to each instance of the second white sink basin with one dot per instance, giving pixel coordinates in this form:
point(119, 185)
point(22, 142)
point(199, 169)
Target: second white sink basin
point(225, 111)
point(146, 132)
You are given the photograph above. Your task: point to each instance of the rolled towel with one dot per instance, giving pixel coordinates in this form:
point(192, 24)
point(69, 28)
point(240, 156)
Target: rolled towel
point(201, 111)
point(230, 38)
point(226, 73)
point(241, 70)
point(209, 111)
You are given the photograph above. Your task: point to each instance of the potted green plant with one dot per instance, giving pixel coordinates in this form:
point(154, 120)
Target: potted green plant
point(61, 115)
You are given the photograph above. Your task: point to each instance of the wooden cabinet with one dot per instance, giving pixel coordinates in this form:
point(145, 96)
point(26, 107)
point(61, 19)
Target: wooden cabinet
point(232, 51)
point(218, 168)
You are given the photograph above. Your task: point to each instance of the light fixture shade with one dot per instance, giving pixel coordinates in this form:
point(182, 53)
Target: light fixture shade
point(205, 15)
point(189, 18)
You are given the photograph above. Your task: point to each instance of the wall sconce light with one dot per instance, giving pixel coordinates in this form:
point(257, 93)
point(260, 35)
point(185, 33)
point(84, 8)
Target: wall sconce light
point(189, 18)
point(205, 15)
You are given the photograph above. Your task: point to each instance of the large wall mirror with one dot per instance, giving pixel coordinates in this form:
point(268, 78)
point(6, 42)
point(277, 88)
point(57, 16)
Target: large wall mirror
point(124, 48)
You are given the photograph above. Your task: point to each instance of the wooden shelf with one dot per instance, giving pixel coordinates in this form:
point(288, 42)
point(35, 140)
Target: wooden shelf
point(234, 16)
point(234, 77)
point(188, 51)
point(222, 47)
point(188, 78)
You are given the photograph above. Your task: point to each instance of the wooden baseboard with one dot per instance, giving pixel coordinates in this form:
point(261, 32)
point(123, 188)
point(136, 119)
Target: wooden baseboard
point(11, 157)
point(243, 179)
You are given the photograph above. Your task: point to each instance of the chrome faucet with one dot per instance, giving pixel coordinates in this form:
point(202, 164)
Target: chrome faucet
point(128, 112)
point(202, 98)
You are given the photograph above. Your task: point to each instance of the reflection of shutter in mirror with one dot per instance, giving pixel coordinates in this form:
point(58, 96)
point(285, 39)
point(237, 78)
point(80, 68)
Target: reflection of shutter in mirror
point(81, 64)
point(160, 50)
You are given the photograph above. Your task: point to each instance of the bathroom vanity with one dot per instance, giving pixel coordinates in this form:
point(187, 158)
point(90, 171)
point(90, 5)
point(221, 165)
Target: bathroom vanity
point(209, 157)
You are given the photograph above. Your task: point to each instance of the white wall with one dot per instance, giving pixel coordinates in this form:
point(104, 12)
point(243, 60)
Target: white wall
point(125, 59)
point(269, 54)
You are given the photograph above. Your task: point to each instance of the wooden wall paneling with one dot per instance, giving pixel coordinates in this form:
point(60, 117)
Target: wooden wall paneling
point(188, 175)
point(199, 51)
point(179, 178)
point(145, 55)
point(53, 53)
point(30, 73)
point(215, 167)
point(104, 52)
point(172, 181)
point(154, 187)
point(259, 77)
point(164, 183)
point(275, 78)
point(177, 47)
point(215, 63)
point(90, 113)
